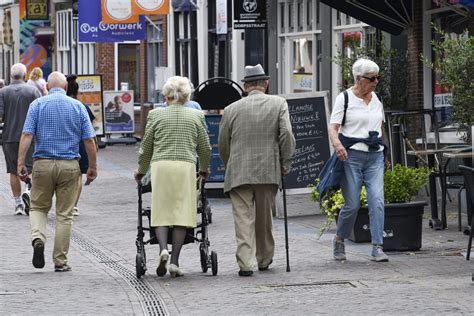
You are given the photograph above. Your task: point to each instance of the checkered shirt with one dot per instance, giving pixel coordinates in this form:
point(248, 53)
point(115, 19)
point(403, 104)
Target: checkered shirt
point(174, 133)
point(59, 123)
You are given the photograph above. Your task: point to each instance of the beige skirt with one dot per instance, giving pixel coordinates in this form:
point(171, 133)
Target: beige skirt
point(173, 199)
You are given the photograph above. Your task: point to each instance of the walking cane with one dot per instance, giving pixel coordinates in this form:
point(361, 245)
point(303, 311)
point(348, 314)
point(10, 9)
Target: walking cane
point(286, 224)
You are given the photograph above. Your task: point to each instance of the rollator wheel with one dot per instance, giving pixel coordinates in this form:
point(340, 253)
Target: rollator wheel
point(139, 265)
point(203, 256)
point(214, 262)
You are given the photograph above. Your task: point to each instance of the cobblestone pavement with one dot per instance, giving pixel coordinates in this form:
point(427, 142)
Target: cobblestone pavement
point(434, 280)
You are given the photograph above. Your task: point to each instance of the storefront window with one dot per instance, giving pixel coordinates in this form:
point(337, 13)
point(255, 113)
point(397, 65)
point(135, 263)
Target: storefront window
point(302, 77)
point(128, 67)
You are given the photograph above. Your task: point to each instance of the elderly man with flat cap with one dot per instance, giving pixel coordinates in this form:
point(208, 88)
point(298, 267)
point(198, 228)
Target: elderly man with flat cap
point(256, 143)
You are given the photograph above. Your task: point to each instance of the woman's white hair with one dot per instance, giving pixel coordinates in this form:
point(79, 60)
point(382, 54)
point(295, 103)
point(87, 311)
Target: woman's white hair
point(364, 66)
point(18, 71)
point(177, 90)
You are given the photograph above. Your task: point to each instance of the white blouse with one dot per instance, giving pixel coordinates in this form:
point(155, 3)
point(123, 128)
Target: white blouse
point(360, 117)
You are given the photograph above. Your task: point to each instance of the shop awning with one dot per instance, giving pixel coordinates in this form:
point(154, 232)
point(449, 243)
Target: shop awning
point(392, 16)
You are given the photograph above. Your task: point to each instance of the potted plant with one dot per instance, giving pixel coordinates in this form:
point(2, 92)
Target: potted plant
point(403, 217)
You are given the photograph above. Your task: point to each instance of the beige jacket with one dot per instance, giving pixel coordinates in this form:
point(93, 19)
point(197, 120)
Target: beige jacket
point(255, 140)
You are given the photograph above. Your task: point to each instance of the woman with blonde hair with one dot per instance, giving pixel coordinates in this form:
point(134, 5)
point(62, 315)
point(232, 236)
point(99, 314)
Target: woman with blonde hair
point(36, 80)
point(174, 137)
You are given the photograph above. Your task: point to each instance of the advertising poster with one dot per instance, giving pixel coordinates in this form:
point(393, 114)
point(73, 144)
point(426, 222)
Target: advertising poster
point(118, 109)
point(35, 51)
point(90, 93)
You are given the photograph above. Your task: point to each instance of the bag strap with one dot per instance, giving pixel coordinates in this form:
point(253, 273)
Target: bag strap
point(346, 105)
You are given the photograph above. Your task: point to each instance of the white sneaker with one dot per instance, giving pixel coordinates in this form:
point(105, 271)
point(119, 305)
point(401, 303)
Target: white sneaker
point(75, 211)
point(19, 210)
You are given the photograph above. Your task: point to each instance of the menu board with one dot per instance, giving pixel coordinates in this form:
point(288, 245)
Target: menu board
point(217, 166)
point(309, 122)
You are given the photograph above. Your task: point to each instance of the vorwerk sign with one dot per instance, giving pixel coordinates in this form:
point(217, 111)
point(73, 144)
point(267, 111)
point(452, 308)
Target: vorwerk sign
point(91, 28)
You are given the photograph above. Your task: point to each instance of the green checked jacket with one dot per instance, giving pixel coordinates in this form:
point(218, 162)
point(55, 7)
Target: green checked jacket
point(255, 140)
point(175, 133)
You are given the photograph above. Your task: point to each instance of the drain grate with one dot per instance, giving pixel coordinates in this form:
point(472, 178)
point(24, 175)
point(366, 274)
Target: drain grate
point(150, 300)
point(307, 287)
point(12, 292)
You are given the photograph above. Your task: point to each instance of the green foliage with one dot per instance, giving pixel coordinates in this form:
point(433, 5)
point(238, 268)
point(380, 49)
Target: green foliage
point(393, 86)
point(456, 71)
point(400, 185)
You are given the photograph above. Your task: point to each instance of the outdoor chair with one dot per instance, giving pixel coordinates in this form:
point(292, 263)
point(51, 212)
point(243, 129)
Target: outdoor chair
point(468, 173)
point(452, 178)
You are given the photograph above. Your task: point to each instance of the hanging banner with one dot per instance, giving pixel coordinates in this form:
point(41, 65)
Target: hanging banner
point(119, 116)
point(90, 94)
point(117, 11)
point(221, 16)
point(250, 14)
point(91, 28)
point(150, 7)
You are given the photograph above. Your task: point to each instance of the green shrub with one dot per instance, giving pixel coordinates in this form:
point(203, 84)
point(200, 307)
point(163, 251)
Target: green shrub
point(400, 185)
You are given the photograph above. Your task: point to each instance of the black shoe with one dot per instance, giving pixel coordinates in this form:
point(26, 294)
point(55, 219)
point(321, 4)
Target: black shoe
point(245, 273)
point(265, 268)
point(38, 253)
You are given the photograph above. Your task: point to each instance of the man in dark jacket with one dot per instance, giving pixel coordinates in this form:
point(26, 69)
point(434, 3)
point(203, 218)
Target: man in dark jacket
point(15, 100)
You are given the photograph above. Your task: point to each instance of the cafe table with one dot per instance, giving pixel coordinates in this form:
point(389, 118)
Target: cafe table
point(431, 155)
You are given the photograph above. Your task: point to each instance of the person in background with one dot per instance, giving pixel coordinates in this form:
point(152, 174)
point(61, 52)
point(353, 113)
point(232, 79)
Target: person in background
point(36, 80)
point(15, 100)
point(256, 143)
point(191, 103)
point(2, 83)
point(359, 144)
point(175, 136)
point(56, 166)
point(72, 91)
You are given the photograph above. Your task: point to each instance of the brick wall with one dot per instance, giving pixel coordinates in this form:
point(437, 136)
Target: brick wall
point(106, 64)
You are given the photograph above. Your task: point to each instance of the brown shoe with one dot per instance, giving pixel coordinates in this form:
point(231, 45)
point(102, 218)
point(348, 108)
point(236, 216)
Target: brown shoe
point(62, 268)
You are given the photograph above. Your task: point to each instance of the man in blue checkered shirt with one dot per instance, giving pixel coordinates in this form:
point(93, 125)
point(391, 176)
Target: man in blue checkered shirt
point(58, 124)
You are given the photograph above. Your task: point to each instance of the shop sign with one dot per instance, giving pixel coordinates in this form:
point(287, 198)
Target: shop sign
point(92, 29)
point(442, 99)
point(250, 14)
point(37, 10)
point(153, 7)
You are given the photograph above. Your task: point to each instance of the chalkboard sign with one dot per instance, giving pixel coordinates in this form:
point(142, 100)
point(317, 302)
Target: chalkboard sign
point(217, 166)
point(309, 122)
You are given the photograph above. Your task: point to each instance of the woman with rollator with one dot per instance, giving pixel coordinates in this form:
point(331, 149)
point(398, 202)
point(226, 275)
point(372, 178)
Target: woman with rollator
point(174, 137)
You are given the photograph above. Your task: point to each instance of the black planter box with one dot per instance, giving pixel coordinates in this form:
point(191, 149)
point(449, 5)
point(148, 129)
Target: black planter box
point(402, 227)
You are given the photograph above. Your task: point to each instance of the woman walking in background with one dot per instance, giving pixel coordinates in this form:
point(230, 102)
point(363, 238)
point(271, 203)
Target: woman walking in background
point(36, 80)
point(72, 91)
point(174, 137)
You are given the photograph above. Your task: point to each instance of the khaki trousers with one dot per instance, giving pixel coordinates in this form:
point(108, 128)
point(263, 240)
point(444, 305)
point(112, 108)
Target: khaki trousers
point(252, 208)
point(51, 177)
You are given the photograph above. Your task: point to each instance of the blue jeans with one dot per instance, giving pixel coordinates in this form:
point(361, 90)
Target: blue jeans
point(368, 168)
